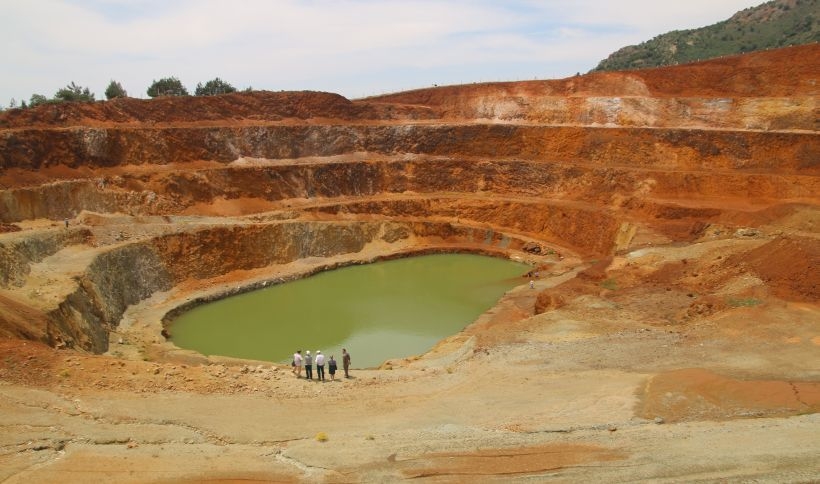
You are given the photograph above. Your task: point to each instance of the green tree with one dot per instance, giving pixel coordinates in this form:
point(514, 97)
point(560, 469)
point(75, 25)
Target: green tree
point(36, 100)
point(213, 87)
point(73, 92)
point(115, 90)
point(167, 86)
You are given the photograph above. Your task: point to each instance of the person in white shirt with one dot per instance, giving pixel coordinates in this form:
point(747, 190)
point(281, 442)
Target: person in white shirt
point(320, 366)
point(297, 364)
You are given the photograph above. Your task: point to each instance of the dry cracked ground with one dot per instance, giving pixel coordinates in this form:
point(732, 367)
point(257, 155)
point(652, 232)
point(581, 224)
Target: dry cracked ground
point(674, 333)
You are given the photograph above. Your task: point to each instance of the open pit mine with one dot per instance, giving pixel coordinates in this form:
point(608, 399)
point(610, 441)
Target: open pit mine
point(673, 333)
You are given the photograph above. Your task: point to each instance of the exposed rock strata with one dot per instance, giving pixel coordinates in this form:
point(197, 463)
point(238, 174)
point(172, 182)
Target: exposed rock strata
point(670, 148)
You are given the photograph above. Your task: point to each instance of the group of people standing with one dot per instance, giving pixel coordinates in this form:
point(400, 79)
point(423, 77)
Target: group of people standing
point(319, 360)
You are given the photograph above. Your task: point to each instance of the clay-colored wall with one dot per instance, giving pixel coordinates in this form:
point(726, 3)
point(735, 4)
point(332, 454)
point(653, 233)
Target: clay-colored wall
point(172, 192)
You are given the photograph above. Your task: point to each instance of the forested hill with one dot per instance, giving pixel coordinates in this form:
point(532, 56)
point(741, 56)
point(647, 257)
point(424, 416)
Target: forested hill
point(777, 23)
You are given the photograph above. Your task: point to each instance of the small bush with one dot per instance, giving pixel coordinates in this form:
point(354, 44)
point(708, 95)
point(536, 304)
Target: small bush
point(743, 302)
point(213, 87)
point(73, 92)
point(167, 86)
point(115, 90)
point(321, 437)
point(610, 284)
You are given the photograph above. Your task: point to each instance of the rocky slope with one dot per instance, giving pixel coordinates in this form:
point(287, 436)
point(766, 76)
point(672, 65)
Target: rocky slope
point(673, 213)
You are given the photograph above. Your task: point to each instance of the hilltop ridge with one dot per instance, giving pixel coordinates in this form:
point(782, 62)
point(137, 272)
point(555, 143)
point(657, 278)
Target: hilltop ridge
point(771, 25)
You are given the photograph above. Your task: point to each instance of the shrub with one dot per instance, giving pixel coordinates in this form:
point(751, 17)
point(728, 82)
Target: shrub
point(743, 302)
point(213, 87)
point(73, 92)
point(167, 86)
point(610, 284)
point(37, 99)
point(115, 90)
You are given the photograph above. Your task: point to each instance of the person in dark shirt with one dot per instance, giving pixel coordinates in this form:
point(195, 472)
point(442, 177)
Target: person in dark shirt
point(308, 365)
point(346, 362)
point(331, 368)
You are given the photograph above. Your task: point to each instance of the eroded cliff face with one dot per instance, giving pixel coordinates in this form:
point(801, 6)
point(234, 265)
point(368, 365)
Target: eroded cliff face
point(18, 252)
point(164, 192)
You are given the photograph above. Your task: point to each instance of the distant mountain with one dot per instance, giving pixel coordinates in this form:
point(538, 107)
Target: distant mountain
point(778, 23)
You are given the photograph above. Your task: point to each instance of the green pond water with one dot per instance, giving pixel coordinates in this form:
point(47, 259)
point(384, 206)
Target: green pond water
point(378, 311)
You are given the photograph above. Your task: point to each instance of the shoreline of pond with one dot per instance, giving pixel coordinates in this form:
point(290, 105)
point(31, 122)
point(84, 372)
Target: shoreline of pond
point(222, 330)
point(172, 314)
point(139, 334)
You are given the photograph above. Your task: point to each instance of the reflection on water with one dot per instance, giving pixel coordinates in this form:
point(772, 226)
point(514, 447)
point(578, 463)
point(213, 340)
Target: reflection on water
point(377, 311)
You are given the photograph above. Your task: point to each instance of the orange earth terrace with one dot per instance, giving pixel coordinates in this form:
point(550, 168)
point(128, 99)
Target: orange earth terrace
point(675, 338)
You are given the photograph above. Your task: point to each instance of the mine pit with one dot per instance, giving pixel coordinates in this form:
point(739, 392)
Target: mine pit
point(672, 330)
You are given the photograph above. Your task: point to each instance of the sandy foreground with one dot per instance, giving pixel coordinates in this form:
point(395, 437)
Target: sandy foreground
point(600, 388)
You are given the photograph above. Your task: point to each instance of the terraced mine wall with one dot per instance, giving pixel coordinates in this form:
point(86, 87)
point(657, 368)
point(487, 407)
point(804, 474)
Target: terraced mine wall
point(788, 152)
point(514, 160)
point(174, 191)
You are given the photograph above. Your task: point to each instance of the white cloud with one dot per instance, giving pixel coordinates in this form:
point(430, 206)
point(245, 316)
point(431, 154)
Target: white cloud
point(353, 47)
point(642, 15)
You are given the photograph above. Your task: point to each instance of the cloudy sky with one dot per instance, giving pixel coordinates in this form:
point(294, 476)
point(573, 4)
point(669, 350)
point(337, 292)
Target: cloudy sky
point(355, 48)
